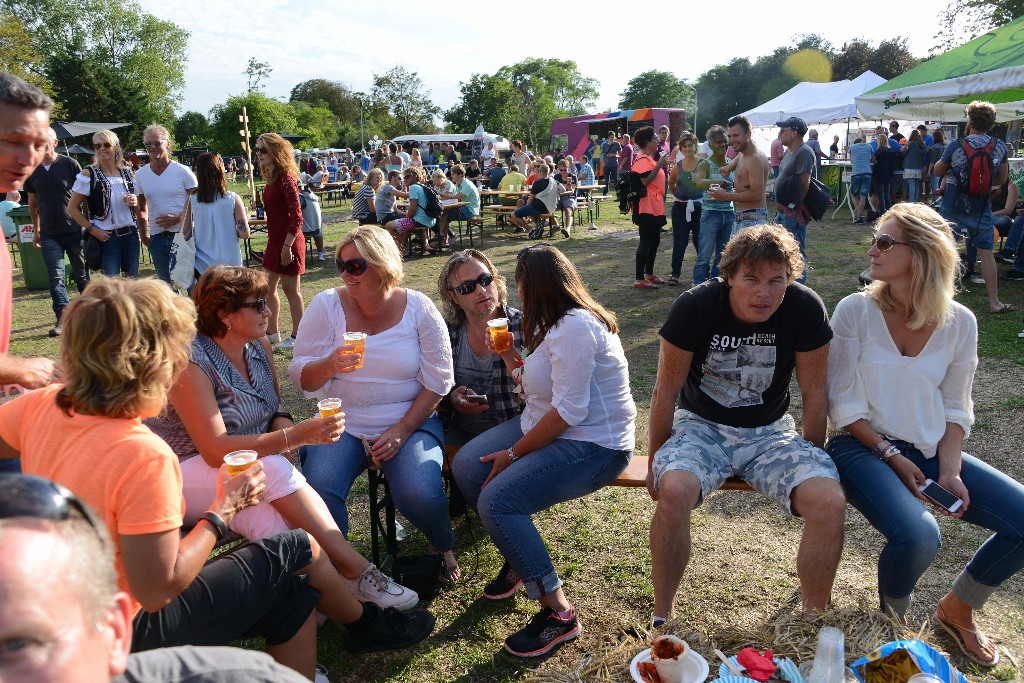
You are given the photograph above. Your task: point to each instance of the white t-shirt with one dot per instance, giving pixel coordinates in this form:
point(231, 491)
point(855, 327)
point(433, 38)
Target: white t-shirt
point(120, 214)
point(397, 363)
point(165, 193)
point(485, 154)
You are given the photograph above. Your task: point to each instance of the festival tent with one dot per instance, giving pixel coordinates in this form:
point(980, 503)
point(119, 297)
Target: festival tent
point(815, 102)
point(990, 67)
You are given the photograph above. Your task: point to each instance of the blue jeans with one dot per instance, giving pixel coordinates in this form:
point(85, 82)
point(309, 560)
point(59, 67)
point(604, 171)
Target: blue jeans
point(562, 470)
point(978, 228)
point(1012, 241)
point(912, 186)
point(936, 180)
point(160, 250)
point(54, 247)
point(611, 176)
point(10, 465)
point(715, 230)
point(884, 191)
point(911, 532)
point(120, 255)
point(682, 231)
point(800, 233)
point(414, 475)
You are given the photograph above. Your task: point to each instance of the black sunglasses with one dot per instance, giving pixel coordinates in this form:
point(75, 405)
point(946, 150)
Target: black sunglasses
point(355, 266)
point(26, 495)
point(522, 251)
point(260, 305)
point(103, 145)
point(469, 286)
point(261, 150)
point(885, 242)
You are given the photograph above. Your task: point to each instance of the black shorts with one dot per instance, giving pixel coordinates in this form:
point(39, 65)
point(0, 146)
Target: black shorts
point(249, 592)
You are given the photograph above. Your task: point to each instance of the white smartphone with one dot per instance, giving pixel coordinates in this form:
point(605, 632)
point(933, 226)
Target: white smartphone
point(940, 496)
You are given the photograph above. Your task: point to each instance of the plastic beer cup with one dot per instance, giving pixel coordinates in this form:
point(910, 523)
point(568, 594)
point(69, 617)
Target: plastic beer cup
point(358, 340)
point(499, 334)
point(239, 461)
point(329, 406)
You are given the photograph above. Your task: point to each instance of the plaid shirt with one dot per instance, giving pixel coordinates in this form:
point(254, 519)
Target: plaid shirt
point(501, 397)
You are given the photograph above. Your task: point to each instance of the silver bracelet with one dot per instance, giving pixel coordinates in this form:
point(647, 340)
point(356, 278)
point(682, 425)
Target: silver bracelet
point(512, 457)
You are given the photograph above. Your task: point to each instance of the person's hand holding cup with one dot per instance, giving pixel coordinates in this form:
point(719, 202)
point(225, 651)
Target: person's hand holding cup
point(355, 343)
point(242, 489)
point(130, 199)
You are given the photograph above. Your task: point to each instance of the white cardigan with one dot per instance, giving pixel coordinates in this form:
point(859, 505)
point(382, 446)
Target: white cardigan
point(902, 397)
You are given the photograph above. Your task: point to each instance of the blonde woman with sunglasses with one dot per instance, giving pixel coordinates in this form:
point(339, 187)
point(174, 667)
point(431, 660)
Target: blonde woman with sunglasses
point(900, 371)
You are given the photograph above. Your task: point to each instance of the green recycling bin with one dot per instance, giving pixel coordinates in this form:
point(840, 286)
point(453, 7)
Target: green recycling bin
point(32, 264)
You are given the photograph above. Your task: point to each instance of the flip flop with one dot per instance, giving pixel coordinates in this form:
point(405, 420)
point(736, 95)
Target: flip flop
point(450, 573)
point(1005, 308)
point(956, 632)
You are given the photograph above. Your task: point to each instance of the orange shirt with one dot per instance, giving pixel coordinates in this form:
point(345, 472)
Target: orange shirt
point(129, 475)
point(654, 202)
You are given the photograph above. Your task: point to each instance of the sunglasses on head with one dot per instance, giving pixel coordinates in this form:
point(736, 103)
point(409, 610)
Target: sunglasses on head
point(885, 242)
point(260, 305)
point(469, 286)
point(355, 266)
point(26, 495)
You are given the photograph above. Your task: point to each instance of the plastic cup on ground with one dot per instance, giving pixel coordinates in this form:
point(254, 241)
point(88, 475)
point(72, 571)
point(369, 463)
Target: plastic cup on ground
point(239, 461)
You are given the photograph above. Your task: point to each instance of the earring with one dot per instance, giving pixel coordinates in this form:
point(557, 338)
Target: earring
point(229, 326)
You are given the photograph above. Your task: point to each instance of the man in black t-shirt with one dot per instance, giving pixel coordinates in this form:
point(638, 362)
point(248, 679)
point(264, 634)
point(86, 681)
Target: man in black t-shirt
point(728, 351)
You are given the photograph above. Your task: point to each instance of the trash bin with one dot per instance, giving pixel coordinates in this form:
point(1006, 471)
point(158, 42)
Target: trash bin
point(32, 264)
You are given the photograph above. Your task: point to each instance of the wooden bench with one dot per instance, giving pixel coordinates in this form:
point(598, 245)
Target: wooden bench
point(598, 199)
point(635, 476)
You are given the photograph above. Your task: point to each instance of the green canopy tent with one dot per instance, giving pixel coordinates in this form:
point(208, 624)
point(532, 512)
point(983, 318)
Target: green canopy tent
point(990, 67)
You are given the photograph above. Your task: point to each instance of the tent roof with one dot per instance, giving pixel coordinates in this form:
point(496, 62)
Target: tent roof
point(815, 102)
point(990, 67)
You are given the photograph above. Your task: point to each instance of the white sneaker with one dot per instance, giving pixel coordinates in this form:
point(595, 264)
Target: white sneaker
point(286, 344)
point(320, 256)
point(274, 338)
point(1020, 335)
point(977, 279)
point(374, 587)
point(321, 675)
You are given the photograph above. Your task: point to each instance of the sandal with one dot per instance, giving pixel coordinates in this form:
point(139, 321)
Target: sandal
point(1005, 308)
point(450, 573)
point(673, 281)
point(956, 632)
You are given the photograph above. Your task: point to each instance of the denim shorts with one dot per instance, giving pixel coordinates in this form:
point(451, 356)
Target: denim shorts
point(773, 459)
point(979, 227)
point(860, 185)
point(527, 211)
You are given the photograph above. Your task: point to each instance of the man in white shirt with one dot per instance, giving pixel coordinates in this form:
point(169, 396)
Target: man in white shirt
point(163, 187)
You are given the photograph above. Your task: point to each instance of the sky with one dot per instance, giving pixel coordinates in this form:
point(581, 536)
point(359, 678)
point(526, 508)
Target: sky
point(447, 42)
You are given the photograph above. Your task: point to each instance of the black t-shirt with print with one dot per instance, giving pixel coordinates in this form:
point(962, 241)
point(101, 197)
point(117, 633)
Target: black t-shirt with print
point(741, 372)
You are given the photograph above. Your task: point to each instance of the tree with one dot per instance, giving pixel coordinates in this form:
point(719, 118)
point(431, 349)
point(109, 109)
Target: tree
point(191, 128)
point(963, 20)
point(888, 60)
point(547, 89)
point(487, 100)
point(335, 95)
point(109, 37)
point(266, 115)
point(656, 89)
point(18, 57)
point(255, 72)
point(317, 123)
point(401, 105)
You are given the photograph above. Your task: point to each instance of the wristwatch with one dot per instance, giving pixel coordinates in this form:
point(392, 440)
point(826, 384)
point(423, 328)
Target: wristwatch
point(885, 451)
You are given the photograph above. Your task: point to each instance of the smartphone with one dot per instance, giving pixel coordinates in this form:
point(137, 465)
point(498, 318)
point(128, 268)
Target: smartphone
point(940, 496)
point(476, 398)
point(714, 186)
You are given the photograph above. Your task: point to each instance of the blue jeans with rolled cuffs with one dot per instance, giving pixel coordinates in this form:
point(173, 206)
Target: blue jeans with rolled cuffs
point(414, 475)
point(560, 471)
point(683, 231)
point(715, 231)
point(911, 532)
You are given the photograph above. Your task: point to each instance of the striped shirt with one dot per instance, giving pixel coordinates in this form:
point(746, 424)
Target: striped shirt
point(360, 203)
point(245, 407)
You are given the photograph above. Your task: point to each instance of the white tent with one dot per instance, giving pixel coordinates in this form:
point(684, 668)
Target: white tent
point(815, 102)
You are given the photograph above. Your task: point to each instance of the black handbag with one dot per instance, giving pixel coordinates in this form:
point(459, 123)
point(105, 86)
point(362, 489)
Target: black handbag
point(92, 251)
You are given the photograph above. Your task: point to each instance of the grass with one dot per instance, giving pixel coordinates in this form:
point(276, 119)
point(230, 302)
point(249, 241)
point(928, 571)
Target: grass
point(742, 569)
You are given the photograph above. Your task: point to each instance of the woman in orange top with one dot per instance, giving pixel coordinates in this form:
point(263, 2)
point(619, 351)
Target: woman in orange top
point(649, 213)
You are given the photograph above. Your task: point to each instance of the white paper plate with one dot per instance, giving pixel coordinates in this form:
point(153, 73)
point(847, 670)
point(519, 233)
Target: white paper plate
point(645, 656)
point(787, 670)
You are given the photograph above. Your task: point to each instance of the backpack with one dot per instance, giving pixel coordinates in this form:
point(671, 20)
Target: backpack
point(978, 180)
point(433, 206)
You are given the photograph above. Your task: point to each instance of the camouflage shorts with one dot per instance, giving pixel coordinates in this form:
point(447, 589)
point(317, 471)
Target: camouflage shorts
point(773, 459)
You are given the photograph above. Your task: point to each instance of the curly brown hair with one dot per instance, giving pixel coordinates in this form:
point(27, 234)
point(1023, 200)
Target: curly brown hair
point(759, 244)
point(219, 290)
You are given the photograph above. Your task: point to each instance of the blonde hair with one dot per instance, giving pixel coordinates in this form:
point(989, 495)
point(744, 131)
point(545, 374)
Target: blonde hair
point(376, 245)
point(111, 137)
point(450, 308)
point(935, 265)
point(159, 130)
point(375, 173)
point(124, 343)
point(281, 155)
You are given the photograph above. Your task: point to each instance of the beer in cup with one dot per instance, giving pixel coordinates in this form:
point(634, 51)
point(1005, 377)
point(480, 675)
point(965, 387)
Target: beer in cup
point(239, 461)
point(329, 406)
point(358, 340)
point(499, 334)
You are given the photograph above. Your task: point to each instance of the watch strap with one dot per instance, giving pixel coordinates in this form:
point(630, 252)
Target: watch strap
point(217, 522)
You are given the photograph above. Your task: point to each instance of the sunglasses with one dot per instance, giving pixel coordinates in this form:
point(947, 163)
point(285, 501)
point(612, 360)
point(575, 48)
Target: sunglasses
point(355, 266)
point(261, 150)
point(26, 495)
point(152, 143)
point(469, 286)
point(103, 145)
point(885, 242)
point(260, 305)
point(523, 251)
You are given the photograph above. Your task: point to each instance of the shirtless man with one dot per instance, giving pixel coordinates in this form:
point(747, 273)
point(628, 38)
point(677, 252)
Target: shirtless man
point(751, 167)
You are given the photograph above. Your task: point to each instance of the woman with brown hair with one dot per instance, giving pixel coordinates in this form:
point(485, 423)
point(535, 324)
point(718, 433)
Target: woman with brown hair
point(285, 256)
point(416, 217)
point(575, 436)
point(219, 219)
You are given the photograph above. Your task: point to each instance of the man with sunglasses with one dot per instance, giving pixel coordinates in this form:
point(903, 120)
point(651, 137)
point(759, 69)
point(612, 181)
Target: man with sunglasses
point(63, 618)
point(794, 181)
point(729, 349)
point(163, 187)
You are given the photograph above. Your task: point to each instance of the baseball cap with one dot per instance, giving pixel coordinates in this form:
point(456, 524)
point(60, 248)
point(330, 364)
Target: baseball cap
point(794, 122)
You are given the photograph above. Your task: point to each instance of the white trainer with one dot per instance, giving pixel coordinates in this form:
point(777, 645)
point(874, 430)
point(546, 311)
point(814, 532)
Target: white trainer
point(286, 344)
point(374, 587)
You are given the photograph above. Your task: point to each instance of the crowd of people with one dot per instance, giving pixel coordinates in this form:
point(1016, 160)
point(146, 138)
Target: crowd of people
point(122, 444)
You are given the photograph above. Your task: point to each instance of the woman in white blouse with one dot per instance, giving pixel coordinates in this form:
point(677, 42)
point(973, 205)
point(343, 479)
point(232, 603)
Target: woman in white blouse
point(575, 436)
point(389, 392)
point(900, 371)
point(107, 188)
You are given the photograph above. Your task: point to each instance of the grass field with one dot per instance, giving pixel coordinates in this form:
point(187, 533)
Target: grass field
point(744, 550)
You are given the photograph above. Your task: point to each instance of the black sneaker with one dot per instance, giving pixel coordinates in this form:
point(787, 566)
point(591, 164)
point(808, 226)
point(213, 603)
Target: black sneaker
point(389, 629)
point(545, 632)
point(1012, 274)
point(1007, 256)
point(505, 584)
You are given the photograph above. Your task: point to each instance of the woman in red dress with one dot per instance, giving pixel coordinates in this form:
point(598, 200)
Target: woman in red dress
point(285, 257)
